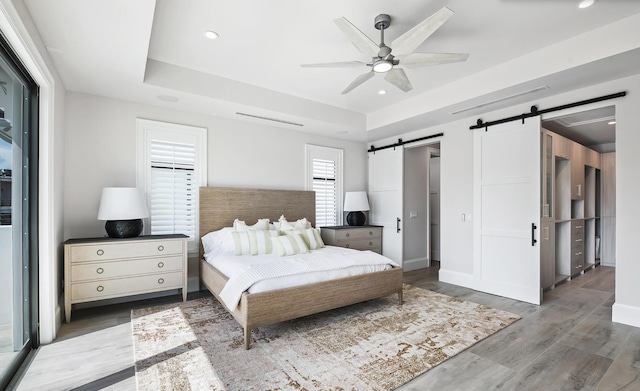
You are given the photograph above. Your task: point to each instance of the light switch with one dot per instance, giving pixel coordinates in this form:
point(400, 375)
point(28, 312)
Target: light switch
point(413, 214)
point(469, 217)
point(463, 217)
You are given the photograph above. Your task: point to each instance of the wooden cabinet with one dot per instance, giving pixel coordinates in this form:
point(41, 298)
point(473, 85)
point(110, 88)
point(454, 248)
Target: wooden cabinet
point(366, 237)
point(106, 268)
point(574, 209)
point(577, 246)
point(547, 254)
point(577, 171)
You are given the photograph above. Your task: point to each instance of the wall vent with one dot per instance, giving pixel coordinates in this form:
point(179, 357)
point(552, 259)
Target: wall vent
point(269, 119)
point(501, 99)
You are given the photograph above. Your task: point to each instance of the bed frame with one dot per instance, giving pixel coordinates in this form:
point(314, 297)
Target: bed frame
point(220, 206)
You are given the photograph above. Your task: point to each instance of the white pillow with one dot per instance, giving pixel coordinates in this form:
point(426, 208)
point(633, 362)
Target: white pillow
point(311, 237)
point(241, 226)
point(218, 241)
point(284, 225)
point(289, 244)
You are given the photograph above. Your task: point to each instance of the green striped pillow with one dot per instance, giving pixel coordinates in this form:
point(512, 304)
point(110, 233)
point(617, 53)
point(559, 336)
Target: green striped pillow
point(260, 242)
point(311, 237)
point(242, 245)
point(289, 244)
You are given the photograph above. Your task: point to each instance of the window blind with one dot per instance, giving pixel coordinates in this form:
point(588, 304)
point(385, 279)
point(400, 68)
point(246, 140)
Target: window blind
point(325, 186)
point(172, 184)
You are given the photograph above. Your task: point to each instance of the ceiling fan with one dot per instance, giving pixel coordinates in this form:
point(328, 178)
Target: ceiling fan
point(383, 61)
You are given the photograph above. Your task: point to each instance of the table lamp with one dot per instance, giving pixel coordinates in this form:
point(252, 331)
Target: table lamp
point(354, 203)
point(123, 208)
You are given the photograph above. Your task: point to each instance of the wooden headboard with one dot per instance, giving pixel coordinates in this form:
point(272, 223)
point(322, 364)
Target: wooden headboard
point(219, 206)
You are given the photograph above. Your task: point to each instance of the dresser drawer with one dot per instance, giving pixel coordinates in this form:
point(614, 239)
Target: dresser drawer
point(97, 252)
point(363, 244)
point(344, 235)
point(104, 270)
point(96, 290)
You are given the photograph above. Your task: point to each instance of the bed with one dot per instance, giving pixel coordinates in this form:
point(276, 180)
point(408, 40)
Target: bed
point(219, 207)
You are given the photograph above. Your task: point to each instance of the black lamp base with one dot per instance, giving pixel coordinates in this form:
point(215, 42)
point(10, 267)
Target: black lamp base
point(356, 218)
point(123, 228)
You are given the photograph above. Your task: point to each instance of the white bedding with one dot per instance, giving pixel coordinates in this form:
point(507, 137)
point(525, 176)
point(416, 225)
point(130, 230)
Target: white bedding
point(261, 273)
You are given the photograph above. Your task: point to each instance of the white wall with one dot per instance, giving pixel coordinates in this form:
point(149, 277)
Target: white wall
point(101, 151)
point(457, 188)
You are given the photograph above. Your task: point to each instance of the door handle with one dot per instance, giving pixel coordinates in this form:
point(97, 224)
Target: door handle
point(398, 224)
point(533, 234)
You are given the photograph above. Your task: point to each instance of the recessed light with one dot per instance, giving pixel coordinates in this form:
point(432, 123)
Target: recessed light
point(586, 3)
point(168, 98)
point(611, 123)
point(211, 34)
point(382, 92)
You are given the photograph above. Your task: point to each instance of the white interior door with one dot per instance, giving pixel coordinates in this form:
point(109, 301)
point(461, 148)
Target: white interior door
point(507, 210)
point(385, 198)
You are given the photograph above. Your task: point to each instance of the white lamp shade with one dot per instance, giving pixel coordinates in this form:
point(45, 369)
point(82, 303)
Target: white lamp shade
point(122, 203)
point(355, 201)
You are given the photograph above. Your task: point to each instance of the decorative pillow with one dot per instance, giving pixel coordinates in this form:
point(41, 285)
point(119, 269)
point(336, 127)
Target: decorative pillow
point(311, 237)
point(241, 226)
point(260, 241)
point(289, 244)
point(241, 242)
point(284, 225)
point(218, 241)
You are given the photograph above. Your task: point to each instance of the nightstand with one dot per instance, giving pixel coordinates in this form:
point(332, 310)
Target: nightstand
point(365, 237)
point(106, 268)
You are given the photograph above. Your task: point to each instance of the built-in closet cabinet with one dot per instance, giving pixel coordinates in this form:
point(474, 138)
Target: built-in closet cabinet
point(570, 210)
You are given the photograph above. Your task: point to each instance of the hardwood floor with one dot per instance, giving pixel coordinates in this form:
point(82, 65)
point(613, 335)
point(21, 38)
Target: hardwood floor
point(567, 343)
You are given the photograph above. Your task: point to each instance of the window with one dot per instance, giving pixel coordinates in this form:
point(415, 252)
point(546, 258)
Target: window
point(171, 168)
point(324, 176)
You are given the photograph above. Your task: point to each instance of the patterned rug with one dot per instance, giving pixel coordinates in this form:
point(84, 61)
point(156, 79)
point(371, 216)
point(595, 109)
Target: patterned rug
point(376, 345)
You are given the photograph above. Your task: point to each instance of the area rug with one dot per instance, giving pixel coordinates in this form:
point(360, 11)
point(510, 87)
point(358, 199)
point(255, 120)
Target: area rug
point(375, 345)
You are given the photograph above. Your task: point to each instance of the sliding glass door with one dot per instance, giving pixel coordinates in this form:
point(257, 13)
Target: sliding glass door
point(18, 214)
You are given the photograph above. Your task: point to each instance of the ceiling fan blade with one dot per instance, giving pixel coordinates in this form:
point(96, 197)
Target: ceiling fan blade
point(398, 78)
point(359, 80)
point(357, 37)
point(409, 41)
point(424, 59)
point(344, 64)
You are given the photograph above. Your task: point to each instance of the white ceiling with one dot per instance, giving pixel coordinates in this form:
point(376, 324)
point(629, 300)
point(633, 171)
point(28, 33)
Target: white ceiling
point(139, 50)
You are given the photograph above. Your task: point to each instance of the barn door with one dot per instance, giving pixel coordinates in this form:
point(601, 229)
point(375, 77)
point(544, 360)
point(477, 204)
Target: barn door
point(385, 198)
point(507, 211)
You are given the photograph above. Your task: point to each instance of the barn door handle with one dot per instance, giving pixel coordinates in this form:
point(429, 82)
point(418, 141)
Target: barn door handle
point(533, 234)
point(398, 224)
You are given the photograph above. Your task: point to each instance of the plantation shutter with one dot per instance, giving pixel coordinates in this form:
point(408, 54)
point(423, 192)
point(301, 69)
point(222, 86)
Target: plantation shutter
point(172, 188)
point(325, 186)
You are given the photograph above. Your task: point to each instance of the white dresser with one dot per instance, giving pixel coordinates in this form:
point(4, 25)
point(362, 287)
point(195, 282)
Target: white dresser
point(365, 237)
point(105, 268)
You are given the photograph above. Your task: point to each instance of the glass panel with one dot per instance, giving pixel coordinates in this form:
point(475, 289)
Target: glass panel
point(16, 320)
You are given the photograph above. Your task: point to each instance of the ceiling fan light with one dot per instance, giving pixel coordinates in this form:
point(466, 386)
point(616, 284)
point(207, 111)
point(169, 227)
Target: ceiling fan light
point(382, 66)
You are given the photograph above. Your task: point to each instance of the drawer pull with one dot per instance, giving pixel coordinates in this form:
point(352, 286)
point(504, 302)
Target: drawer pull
point(347, 235)
point(347, 245)
point(370, 233)
point(161, 248)
point(160, 264)
point(100, 252)
point(579, 240)
point(160, 280)
point(578, 226)
point(370, 243)
point(100, 288)
point(99, 270)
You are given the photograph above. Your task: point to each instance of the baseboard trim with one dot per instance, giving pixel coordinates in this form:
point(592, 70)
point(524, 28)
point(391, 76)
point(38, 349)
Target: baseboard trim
point(626, 314)
point(456, 278)
point(415, 264)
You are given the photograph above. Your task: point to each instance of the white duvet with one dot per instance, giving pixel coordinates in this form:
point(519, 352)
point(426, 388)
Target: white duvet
point(261, 273)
